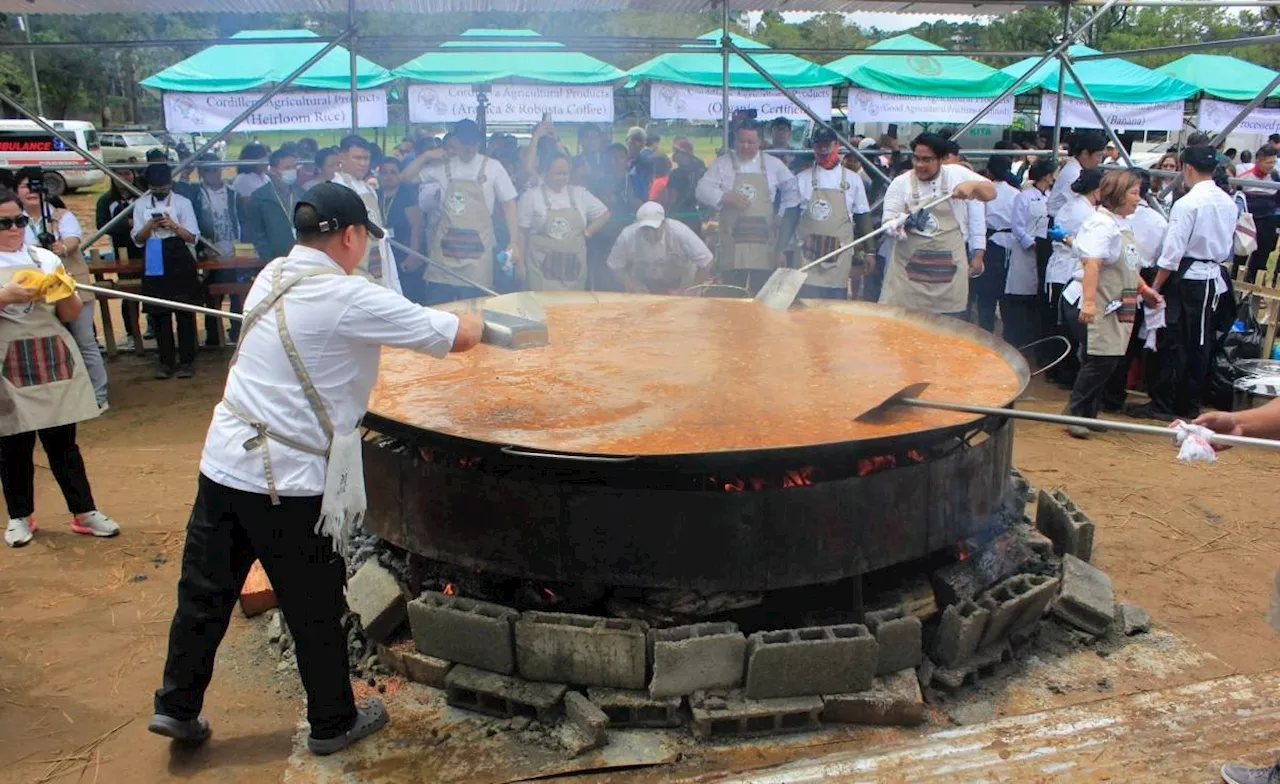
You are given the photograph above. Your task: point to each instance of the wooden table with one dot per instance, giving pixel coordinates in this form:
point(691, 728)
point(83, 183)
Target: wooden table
point(1269, 312)
point(126, 276)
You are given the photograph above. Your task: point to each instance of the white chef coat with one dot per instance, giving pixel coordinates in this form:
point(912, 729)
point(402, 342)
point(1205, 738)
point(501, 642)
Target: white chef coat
point(632, 248)
point(1148, 227)
point(1098, 238)
point(855, 197)
point(1071, 218)
point(1202, 225)
point(999, 213)
point(64, 227)
point(339, 323)
point(719, 177)
point(969, 213)
point(531, 210)
point(1061, 192)
point(177, 207)
point(497, 185)
point(1028, 221)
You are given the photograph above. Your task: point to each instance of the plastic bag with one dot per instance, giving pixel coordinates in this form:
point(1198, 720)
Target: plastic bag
point(1242, 341)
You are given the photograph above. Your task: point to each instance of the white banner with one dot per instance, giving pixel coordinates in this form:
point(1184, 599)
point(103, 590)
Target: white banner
point(669, 101)
point(870, 107)
point(291, 111)
point(1076, 113)
point(522, 103)
point(1215, 115)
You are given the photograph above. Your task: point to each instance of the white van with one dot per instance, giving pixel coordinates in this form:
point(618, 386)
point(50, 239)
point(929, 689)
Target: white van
point(23, 143)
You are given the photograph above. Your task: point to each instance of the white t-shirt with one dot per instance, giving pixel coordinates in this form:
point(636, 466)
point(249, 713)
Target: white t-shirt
point(1071, 217)
point(1098, 238)
point(531, 210)
point(245, 184)
point(632, 249)
point(1148, 227)
point(720, 177)
point(497, 184)
point(1061, 192)
point(855, 196)
point(64, 227)
point(969, 214)
point(339, 324)
point(177, 207)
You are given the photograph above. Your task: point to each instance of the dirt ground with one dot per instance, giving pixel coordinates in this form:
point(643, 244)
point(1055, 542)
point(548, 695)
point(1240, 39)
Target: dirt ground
point(83, 622)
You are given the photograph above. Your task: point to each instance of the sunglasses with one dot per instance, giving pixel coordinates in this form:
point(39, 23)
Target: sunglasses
point(19, 222)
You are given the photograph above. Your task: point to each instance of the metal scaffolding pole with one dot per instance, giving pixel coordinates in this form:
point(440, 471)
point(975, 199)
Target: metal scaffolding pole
point(1231, 126)
point(224, 133)
point(804, 107)
point(725, 43)
point(355, 86)
point(1256, 40)
point(1065, 66)
point(1067, 39)
point(1057, 112)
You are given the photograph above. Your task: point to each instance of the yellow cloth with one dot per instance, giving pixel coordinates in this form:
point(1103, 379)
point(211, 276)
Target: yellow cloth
point(53, 286)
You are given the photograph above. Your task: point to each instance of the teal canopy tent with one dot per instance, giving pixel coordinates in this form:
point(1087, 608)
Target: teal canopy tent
point(703, 67)
point(949, 76)
point(242, 67)
point(1111, 79)
point(546, 62)
point(1222, 76)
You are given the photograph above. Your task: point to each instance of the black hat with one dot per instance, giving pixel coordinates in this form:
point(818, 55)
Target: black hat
point(1200, 157)
point(823, 135)
point(337, 207)
point(156, 155)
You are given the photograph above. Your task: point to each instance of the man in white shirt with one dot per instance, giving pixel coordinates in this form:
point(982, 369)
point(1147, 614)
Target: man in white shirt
point(461, 189)
point(752, 191)
point(1189, 274)
point(833, 210)
point(929, 267)
point(659, 256)
point(293, 400)
point(357, 156)
point(1086, 149)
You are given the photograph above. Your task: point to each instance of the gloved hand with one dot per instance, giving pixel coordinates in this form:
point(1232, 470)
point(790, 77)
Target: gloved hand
point(53, 286)
point(1057, 233)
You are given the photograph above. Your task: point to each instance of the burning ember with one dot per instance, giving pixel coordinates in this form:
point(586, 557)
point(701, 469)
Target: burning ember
point(448, 590)
point(800, 477)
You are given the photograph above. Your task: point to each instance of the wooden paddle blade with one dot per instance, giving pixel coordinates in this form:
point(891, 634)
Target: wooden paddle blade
point(780, 290)
point(886, 407)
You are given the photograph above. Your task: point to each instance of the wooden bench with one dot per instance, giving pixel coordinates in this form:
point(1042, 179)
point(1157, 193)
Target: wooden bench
point(126, 276)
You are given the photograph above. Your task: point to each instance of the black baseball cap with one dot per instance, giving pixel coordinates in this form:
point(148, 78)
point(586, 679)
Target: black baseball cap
point(824, 135)
point(1200, 157)
point(336, 207)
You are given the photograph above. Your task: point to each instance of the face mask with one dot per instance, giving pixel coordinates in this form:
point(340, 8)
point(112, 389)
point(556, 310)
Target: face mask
point(289, 177)
point(830, 160)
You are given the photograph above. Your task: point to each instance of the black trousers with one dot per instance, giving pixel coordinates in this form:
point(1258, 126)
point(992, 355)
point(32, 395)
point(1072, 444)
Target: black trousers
point(986, 290)
point(1066, 324)
point(1095, 372)
point(1020, 314)
point(227, 531)
point(18, 470)
point(1118, 386)
point(1047, 307)
point(1267, 226)
point(162, 326)
point(1178, 372)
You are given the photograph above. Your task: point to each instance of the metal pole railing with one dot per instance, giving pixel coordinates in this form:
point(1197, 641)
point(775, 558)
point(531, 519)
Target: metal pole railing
point(355, 86)
point(804, 107)
point(1062, 83)
point(725, 111)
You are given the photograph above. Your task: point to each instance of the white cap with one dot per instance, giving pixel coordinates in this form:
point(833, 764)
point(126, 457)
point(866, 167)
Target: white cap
point(1111, 145)
point(867, 144)
point(650, 214)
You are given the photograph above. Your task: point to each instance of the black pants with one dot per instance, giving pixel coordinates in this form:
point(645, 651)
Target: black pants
point(1021, 316)
point(1047, 307)
point(227, 531)
point(18, 470)
point(162, 325)
point(1095, 372)
point(986, 289)
point(1267, 225)
point(1178, 372)
point(751, 280)
point(1066, 324)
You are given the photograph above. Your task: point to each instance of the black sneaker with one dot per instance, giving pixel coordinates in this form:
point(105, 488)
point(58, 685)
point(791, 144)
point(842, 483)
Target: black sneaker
point(1145, 411)
point(1242, 774)
point(164, 372)
point(186, 371)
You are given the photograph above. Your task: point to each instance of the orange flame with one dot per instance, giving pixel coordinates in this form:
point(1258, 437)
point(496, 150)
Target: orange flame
point(800, 478)
point(449, 590)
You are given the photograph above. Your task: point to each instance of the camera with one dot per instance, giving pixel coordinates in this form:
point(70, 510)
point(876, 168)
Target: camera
point(46, 240)
point(36, 182)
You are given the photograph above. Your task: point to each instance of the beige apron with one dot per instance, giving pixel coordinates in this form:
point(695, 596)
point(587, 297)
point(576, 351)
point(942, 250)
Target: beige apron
point(824, 226)
point(43, 382)
point(558, 251)
point(343, 502)
point(929, 271)
point(661, 272)
point(463, 241)
point(1108, 335)
point(746, 236)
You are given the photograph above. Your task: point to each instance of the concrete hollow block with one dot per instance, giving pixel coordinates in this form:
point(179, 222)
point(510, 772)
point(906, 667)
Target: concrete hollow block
point(582, 649)
point(959, 632)
point(810, 661)
point(465, 631)
point(700, 656)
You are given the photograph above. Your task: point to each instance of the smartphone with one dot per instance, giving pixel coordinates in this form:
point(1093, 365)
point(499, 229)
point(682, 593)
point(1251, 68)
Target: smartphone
point(157, 215)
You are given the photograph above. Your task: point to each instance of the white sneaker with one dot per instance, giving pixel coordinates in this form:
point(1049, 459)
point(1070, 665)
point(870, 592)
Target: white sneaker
point(94, 523)
point(19, 532)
